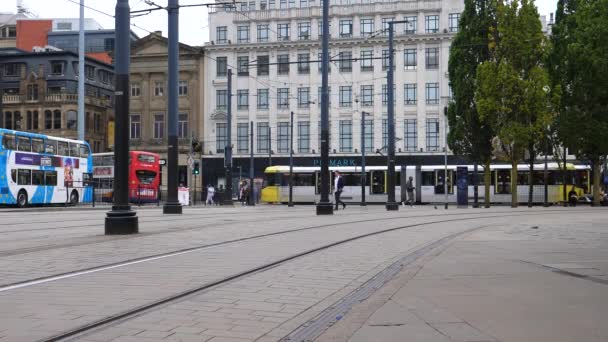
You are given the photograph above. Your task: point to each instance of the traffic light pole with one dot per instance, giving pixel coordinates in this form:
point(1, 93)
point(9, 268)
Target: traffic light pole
point(251, 166)
point(227, 200)
point(390, 203)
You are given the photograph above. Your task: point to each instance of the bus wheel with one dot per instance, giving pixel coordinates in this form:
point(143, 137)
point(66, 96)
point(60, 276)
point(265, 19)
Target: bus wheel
point(74, 197)
point(22, 199)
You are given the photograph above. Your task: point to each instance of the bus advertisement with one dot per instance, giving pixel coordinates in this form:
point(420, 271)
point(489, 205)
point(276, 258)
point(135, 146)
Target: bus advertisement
point(39, 169)
point(144, 176)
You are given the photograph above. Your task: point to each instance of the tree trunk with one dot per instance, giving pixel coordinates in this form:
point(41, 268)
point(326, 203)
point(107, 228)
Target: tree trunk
point(487, 180)
point(514, 202)
point(596, 182)
point(565, 179)
point(531, 176)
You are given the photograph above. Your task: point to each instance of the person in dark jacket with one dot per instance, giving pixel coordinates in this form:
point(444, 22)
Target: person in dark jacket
point(338, 186)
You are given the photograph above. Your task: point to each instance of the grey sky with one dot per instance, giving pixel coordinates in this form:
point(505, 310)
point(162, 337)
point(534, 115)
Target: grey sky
point(193, 22)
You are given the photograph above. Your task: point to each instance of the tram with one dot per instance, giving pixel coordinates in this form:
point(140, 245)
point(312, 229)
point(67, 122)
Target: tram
point(429, 183)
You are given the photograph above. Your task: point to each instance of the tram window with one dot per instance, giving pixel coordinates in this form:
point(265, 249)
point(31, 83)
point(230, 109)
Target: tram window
point(503, 181)
point(318, 182)
point(24, 144)
point(8, 141)
point(74, 151)
point(14, 176)
point(439, 185)
point(50, 146)
point(37, 177)
point(303, 179)
point(273, 179)
point(50, 178)
point(84, 151)
point(24, 177)
point(62, 148)
point(378, 182)
point(37, 145)
point(522, 177)
point(428, 178)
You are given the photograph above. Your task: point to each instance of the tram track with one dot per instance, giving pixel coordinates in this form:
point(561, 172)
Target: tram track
point(64, 275)
point(74, 334)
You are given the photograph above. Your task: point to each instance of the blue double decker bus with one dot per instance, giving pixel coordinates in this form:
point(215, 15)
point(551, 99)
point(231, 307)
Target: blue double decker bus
point(36, 169)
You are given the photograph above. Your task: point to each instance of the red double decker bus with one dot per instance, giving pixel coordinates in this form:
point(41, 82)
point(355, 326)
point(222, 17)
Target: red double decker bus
point(144, 176)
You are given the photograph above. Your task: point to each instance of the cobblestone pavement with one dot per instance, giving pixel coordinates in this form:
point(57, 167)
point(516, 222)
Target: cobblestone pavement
point(264, 306)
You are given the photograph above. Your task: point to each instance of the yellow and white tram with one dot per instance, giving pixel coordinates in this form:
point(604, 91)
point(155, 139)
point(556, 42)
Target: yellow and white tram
point(428, 180)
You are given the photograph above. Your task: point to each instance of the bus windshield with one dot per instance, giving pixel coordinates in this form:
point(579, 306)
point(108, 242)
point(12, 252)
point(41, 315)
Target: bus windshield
point(145, 177)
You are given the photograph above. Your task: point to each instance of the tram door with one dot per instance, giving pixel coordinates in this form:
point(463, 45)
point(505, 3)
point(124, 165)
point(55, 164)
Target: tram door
point(318, 182)
point(377, 183)
point(439, 182)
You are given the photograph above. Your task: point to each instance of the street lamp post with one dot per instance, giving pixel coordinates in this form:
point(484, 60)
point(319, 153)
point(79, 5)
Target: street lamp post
point(251, 165)
point(546, 172)
point(445, 154)
point(227, 200)
point(121, 219)
point(363, 180)
point(291, 162)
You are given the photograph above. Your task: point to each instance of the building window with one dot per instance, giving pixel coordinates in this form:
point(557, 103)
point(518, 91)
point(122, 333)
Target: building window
point(72, 119)
point(409, 58)
point(453, 19)
point(159, 88)
point(346, 136)
point(135, 126)
point(96, 122)
point(283, 98)
point(56, 68)
point(367, 62)
point(431, 24)
point(367, 27)
point(368, 135)
point(89, 72)
point(159, 126)
point(8, 120)
point(385, 25)
point(303, 63)
point(346, 63)
point(411, 24)
point(410, 93)
point(432, 93)
point(432, 134)
point(283, 64)
point(221, 99)
point(182, 89)
point(108, 44)
point(32, 92)
point(303, 136)
point(242, 137)
point(283, 137)
point(242, 67)
point(385, 59)
point(321, 64)
point(346, 28)
point(262, 98)
point(411, 136)
point(263, 30)
point(304, 97)
point(384, 133)
point(222, 66)
point(263, 133)
point(182, 126)
point(221, 34)
point(12, 69)
point(432, 58)
point(263, 65)
point(57, 119)
point(29, 120)
point(367, 95)
point(243, 33)
point(283, 31)
point(135, 90)
point(221, 137)
point(242, 99)
point(346, 96)
point(48, 120)
point(304, 31)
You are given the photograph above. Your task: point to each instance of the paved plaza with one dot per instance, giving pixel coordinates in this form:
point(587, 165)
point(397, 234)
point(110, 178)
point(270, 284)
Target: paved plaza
point(273, 273)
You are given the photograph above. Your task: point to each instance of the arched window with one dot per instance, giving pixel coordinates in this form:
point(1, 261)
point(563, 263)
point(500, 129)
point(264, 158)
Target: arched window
point(72, 119)
point(48, 119)
point(8, 120)
point(57, 119)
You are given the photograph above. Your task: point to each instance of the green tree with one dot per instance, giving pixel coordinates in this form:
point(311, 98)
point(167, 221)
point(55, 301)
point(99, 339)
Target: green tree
point(587, 113)
point(469, 135)
point(511, 95)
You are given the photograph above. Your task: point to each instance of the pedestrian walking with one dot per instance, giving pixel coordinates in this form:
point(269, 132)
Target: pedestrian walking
point(338, 186)
point(210, 194)
point(243, 193)
point(409, 187)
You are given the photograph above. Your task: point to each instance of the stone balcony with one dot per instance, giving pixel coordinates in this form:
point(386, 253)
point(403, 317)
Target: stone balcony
point(56, 99)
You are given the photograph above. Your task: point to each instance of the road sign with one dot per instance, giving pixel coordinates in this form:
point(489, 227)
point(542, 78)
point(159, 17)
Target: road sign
point(162, 162)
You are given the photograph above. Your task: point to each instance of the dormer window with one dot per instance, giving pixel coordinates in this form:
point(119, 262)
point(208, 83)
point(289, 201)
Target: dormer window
point(56, 68)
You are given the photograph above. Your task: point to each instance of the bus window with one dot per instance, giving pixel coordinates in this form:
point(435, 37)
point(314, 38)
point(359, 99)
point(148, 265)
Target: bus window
point(14, 176)
point(62, 148)
point(84, 151)
point(24, 144)
point(74, 151)
point(50, 178)
point(146, 158)
point(8, 141)
point(37, 177)
point(37, 145)
point(24, 177)
point(50, 146)
point(145, 177)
